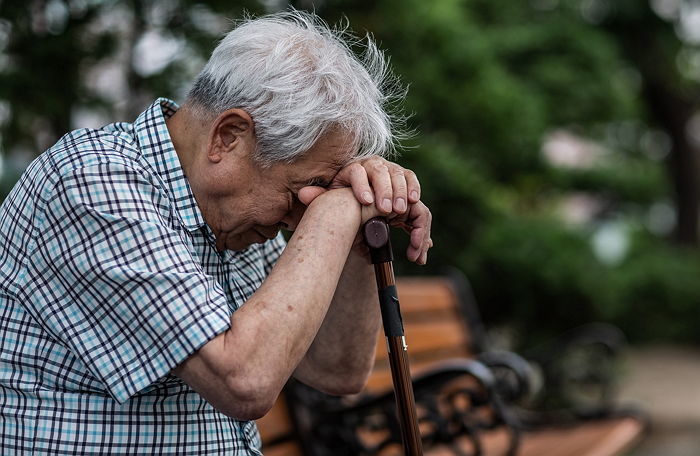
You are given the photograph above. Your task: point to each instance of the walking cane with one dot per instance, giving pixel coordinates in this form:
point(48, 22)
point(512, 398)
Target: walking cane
point(376, 233)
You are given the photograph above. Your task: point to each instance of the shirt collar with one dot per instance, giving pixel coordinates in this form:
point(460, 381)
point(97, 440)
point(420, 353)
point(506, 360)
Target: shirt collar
point(158, 151)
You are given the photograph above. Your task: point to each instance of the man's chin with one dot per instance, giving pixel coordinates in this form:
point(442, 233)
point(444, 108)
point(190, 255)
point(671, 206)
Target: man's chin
point(269, 232)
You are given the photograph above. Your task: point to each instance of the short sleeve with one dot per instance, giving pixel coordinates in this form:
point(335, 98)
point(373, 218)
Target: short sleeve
point(124, 292)
point(272, 250)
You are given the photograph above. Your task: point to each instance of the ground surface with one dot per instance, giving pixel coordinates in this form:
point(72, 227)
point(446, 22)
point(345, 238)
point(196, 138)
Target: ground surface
point(665, 381)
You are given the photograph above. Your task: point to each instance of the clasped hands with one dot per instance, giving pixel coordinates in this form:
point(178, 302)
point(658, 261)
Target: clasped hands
point(387, 189)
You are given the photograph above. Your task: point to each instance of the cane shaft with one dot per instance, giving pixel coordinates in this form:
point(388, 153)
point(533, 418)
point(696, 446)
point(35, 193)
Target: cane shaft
point(398, 360)
point(384, 272)
point(380, 249)
point(403, 391)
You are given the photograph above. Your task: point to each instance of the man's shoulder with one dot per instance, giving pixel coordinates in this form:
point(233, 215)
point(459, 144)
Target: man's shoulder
point(110, 152)
point(113, 144)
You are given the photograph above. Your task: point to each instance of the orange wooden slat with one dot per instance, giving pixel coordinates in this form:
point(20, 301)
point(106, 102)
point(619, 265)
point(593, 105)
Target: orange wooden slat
point(276, 423)
point(433, 326)
point(380, 380)
point(592, 438)
point(420, 294)
point(282, 449)
point(595, 438)
point(429, 337)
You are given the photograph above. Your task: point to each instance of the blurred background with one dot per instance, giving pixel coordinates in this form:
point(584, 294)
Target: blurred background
point(557, 142)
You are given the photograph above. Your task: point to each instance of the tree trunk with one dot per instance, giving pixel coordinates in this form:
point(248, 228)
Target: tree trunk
point(651, 45)
point(673, 114)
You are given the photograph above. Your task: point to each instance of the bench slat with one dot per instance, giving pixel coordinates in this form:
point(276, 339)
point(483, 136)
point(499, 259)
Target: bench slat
point(429, 337)
point(283, 449)
point(425, 295)
point(276, 423)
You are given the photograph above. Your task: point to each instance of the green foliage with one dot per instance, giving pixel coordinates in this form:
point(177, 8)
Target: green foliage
point(50, 48)
point(655, 293)
point(489, 81)
point(537, 274)
point(40, 80)
point(499, 75)
point(641, 182)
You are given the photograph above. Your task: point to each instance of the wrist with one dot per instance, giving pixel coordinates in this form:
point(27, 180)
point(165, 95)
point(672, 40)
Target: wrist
point(338, 200)
point(337, 206)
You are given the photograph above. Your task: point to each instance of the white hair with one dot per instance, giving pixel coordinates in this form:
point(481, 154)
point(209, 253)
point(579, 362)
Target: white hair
point(298, 79)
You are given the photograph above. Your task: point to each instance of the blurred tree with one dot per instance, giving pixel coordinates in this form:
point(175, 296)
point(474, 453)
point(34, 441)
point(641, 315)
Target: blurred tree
point(45, 44)
point(500, 91)
point(490, 82)
point(66, 62)
point(672, 98)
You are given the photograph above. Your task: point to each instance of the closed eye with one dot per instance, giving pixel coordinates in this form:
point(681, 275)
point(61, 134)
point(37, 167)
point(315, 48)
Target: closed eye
point(318, 182)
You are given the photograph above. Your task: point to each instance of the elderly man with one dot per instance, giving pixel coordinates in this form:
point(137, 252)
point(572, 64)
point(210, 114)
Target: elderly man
point(147, 302)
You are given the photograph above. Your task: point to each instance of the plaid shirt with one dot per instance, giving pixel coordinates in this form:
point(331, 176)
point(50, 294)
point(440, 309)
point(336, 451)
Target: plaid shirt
point(109, 278)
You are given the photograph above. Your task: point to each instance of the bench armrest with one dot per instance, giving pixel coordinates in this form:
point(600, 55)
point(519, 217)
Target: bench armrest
point(515, 378)
point(580, 368)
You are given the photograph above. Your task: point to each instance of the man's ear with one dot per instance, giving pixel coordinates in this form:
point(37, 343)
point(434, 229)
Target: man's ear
point(232, 129)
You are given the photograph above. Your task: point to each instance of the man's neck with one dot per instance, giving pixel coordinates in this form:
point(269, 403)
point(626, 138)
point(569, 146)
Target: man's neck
point(188, 134)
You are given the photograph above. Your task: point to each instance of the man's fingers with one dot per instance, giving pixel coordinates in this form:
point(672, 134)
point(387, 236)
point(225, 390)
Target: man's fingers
point(419, 237)
point(419, 220)
point(412, 186)
point(375, 180)
point(419, 255)
point(423, 258)
point(358, 180)
point(379, 178)
point(355, 176)
point(398, 187)
point(413, 254)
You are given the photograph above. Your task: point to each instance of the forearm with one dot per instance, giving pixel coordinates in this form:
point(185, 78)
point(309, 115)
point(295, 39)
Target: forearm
point(342, 353)
point(291, 304)
point(242, 370)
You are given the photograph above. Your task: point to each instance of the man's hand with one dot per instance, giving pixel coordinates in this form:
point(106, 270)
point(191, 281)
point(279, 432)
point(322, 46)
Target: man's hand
point(392, 191)
point(374, 179)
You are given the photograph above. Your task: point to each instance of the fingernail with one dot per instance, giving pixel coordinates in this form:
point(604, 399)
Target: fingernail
point(414, 194)
point(386, 205)
point(400, 204)
point(367, 197)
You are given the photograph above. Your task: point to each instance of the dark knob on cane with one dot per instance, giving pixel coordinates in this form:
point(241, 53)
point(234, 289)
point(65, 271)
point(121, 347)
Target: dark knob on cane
point(376, 233)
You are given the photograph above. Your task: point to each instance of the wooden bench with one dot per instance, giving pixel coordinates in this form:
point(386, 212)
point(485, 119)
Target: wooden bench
point(277, 431)
point(438, 337)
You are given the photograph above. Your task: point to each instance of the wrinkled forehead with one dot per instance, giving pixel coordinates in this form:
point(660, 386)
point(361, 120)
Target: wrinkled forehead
point(332, 152)
point(336, 146)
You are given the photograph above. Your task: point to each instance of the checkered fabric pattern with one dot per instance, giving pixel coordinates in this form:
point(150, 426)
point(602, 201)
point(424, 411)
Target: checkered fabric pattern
point(109, 278)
